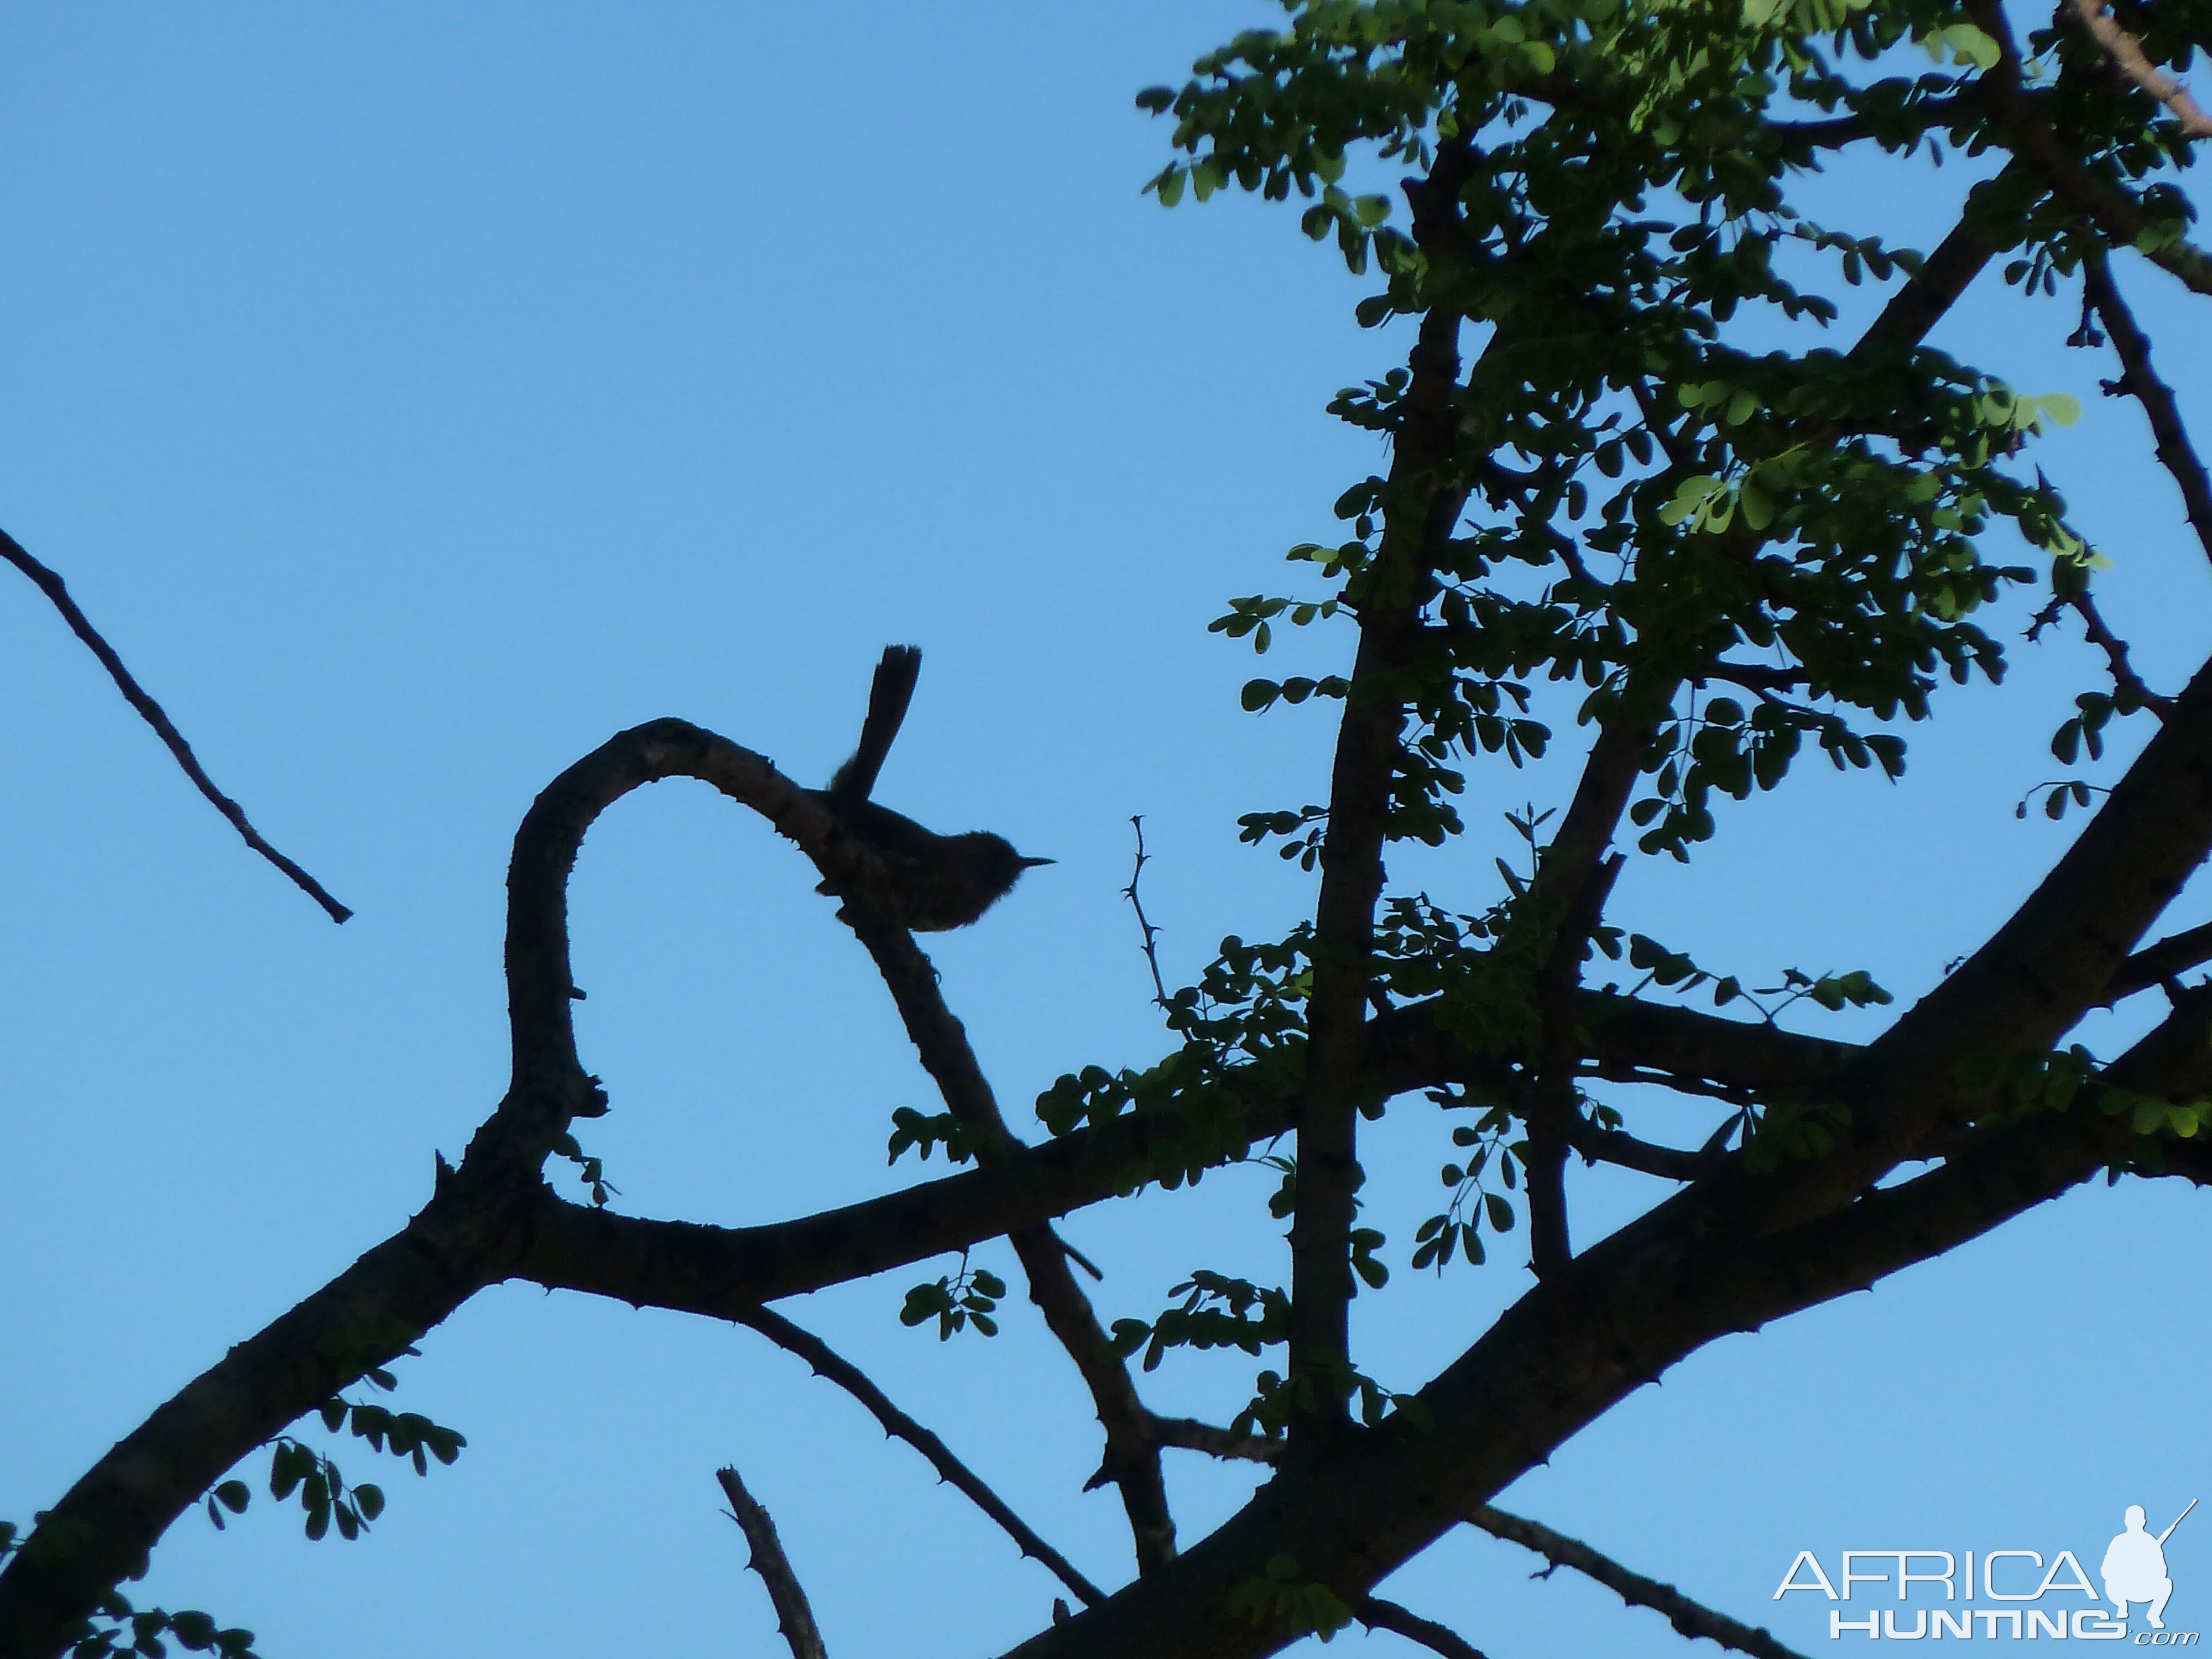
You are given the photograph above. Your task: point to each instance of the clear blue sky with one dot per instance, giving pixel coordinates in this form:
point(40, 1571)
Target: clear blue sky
point(417, 394)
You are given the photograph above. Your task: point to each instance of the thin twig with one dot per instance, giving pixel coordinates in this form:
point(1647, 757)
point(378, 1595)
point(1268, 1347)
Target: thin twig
point(1692, 1618)
point(2126, 51)
point(2175, 452)
point(1151, 933)
point(2133, 692)
point(828, 1363)
point(795, 1619)
point(1377, 1614)
point(50, 583)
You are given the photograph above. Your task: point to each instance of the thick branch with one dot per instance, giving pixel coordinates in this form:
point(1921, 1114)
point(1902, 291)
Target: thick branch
point(1944, 276)
point(2036, 976)
point(1692, 1619)
point(49, 582)
point(795, 1619)
point(1352, 1511)
point(1423, 501)
point(104, 1527)
point(721, 1272)
point(2175, 452)
point(827, 1362)
point(1572, 883)
point(1627, 1152)
point(2155, 963)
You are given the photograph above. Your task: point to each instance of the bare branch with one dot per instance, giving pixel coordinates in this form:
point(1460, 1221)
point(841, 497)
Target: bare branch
point(1692, 1618)
point(1188, 1434)
point(2155, 963)
point(2127, 685)
point(1377, 1614)
point(1943, 277)
point(795, 1619)
point(2126, 51)
point(849, 1376)
point(1625, 1152)
point(2175, 452)
point(1132, 1460)
point(50, 583)
point(1144, 923)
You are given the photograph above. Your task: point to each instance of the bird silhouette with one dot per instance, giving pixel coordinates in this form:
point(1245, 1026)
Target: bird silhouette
point(928, 883)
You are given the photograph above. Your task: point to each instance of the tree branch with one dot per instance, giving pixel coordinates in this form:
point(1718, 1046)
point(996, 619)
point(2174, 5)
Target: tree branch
point(2127, 685)
point(2126, 51)
point(2155, 963)
point(1352, 1511)
point(2175, 452)
point(849, 1376)
point(795, 1619)
point(2050, 962)
point(1188, 1434)
point(1692, 1619)
point(2109, 206)
point(1625, 1152)
point(1132, 1461)
point(1573, 878)
point(1151, 935)
point(49, 582)
point(1944, 276)
point(1425, 499)
point(1377, 1614)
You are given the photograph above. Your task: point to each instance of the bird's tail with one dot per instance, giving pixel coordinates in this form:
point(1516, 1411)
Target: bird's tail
point(856, 780)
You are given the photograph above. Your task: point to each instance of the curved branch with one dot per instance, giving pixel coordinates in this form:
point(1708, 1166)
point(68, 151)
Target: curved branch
point(49, 582)
point(828, 1363)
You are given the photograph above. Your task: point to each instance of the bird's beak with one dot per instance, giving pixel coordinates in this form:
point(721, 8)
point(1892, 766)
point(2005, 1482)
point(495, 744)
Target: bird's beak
point(1031, 864)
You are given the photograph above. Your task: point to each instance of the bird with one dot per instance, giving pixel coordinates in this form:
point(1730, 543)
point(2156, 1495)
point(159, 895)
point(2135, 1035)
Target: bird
point(930, 883)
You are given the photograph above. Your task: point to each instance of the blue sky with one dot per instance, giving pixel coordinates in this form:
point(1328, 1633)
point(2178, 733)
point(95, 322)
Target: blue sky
point(416, 395)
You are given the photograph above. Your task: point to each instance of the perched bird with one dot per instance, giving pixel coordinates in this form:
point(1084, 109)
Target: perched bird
point(930, 882)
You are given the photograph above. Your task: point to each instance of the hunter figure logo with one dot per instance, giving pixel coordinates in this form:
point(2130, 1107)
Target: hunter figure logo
point(2135, 1566)
point(2018, 1581)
